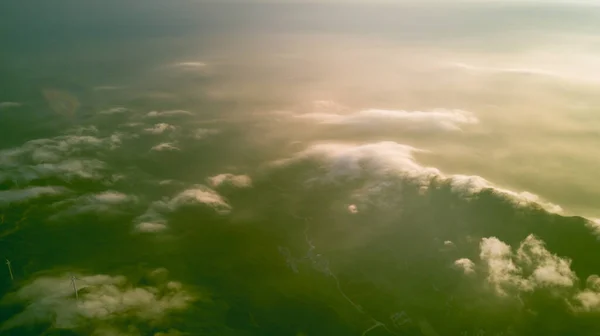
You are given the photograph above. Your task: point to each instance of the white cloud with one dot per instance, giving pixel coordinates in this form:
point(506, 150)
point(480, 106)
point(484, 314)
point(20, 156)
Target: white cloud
point(199, 194)
point(104, 301)
point(240, 181)
point(203, 133)
point(160, 128)
point(441, 119)
point(171, 113)
point(376, 161)
point(7, 105)
point(22, 195)
point(115, 110)
point(154, 219)
point(103, 202)
point(165, 146)
point(466, 265)
point(531, 267)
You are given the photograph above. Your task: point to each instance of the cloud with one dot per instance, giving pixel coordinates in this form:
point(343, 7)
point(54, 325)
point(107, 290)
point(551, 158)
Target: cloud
point(101, 203)
point(203, 133)
point(191, 65)
point(531, 267)
point(165, 146)
point(466, 265)
point(8, 105)
point(105, 303)
point(114, 110)
point(160, 128)
point(240, 181)
point(171, 113)
point(436, 120)
point(199, 194)
point(378, 161)
point(154, 219)
point(23, 195)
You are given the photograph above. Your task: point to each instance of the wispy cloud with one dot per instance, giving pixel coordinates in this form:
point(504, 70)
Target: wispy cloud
point(7, 105)
point(8, 197)
point(440, 119)
point(101, 203)
point(170, 113)
point(165, 147)
point(114, 110)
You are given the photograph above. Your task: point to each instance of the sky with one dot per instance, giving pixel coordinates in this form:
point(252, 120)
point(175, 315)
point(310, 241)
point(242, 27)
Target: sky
point(281, 168)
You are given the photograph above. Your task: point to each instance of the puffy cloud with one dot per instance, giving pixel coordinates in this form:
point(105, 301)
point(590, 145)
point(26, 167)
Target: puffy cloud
point(531, 267)
point(384, 159)
point(199, 194)
point(105, 303)
point(170, 113)
point(154, 219)
point(160, 128)
point(441, 119)
point(22, 195)
point(240, 181)
point(466, 265)
point(165, 146)
point(588, 299)
point(7, 105)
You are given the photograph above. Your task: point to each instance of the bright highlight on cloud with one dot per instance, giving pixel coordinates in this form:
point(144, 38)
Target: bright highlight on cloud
point(155, 217)
point(105, 303)
point(531, 267)
point(239, 181)
point(436, 120)
point(377, 161)
point(165, 147)
point(466, 265)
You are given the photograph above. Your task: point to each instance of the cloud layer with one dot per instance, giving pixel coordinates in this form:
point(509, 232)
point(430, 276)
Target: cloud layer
point(105, 302)
point(377, 161)
point(436, 120)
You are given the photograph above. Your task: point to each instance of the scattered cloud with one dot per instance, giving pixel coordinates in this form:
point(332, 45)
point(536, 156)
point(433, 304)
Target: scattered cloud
point(164, 147)
point(170, 113)
point(531, 267)
point(203, 133)
point(105, 303)
point(154, 219)
point(465, 265)
point(115, 110)
point(8, 197)
point(160, 128)
point(8, 105)
point(101, 203)
point(376, 161)
point(436, 120)
point(240, 181)
point(352, 208)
